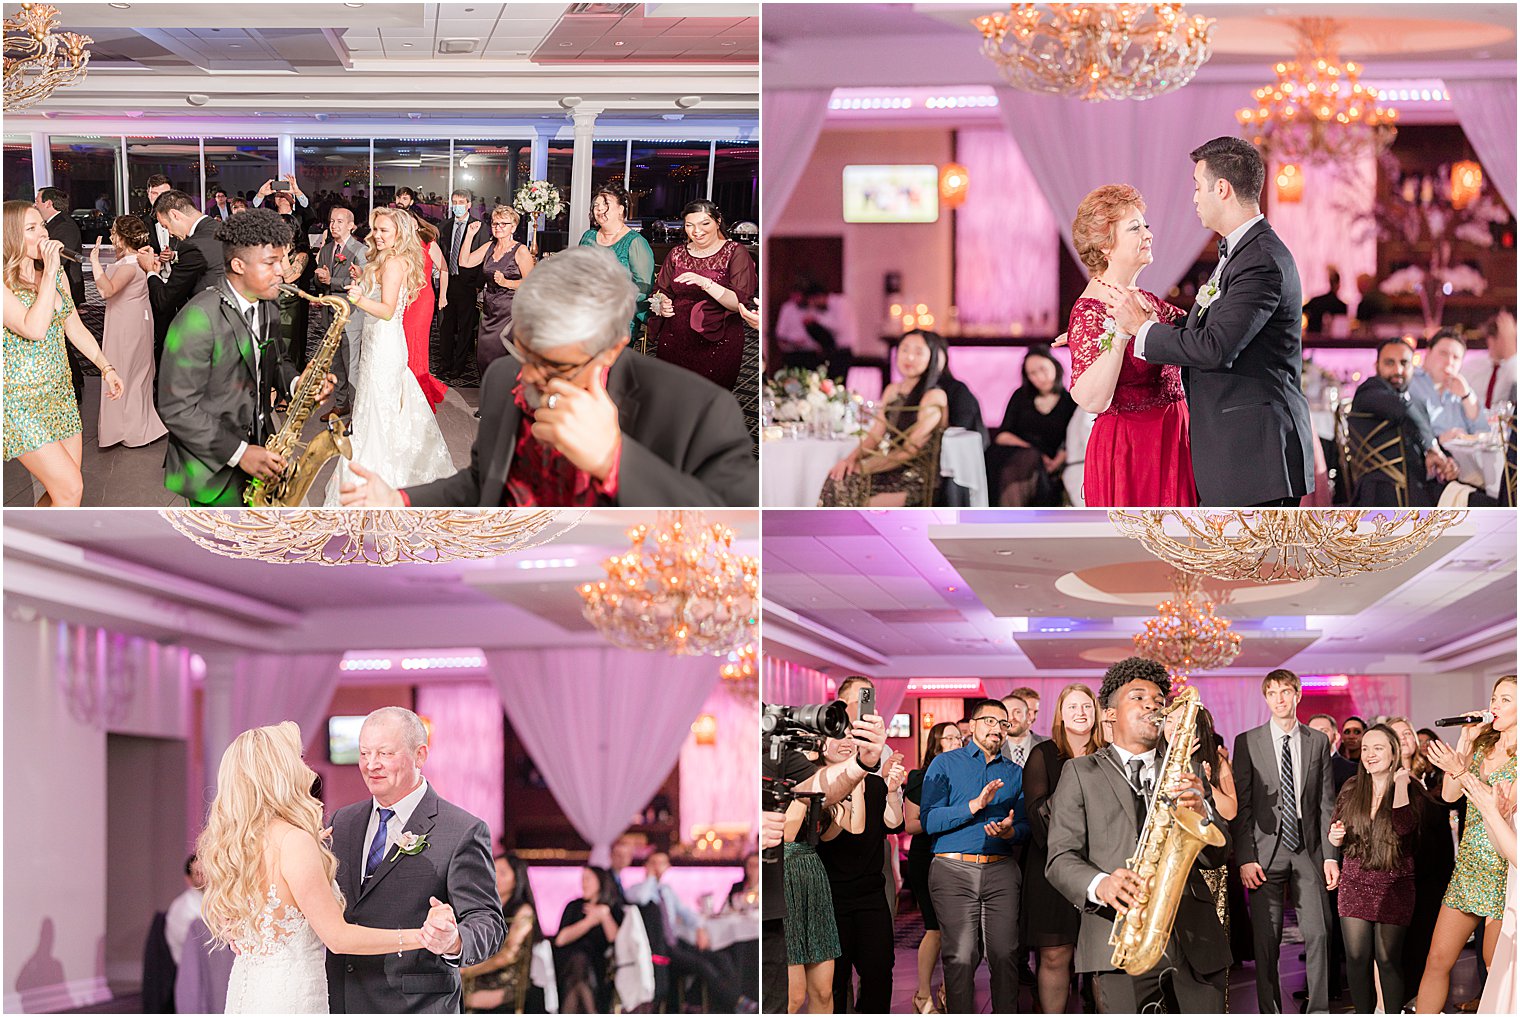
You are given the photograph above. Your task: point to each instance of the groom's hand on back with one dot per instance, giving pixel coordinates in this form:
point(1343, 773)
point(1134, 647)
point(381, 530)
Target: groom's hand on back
point(440, 933)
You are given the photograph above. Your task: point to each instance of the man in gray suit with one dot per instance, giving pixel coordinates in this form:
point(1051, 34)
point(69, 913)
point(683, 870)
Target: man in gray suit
point(1282, 840)
point(404, 854)
point(1022, 704)
point(1096, 815)
point(340, 262)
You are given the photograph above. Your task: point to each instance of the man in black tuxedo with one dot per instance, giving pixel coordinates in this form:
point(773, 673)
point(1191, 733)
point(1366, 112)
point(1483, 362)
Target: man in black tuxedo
point(1284, 788)
point(195, 259)
point(457, 320)
point(405, 854)
point(1242, 344)
point(1096, 816)
point(220, 207)
point(222, 366)
point(572, 418)
point(1386, 397)
point(53, 203)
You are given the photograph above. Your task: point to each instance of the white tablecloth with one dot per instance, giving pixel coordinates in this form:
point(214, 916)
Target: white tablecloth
point(733, 927)
point(792, 470)
point(1479, 464)
point(960, 459)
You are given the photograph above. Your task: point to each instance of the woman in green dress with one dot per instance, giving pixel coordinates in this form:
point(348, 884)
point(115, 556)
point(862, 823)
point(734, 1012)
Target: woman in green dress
point(42, 425)
point(1475, 897)
point(609, 210)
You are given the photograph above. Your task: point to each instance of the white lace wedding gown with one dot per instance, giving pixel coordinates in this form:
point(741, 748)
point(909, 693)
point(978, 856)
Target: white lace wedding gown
point(395, 434)
point(281, 967)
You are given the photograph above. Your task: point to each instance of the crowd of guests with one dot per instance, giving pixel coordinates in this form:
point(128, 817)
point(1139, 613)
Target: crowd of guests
point(1393, 848)
point(692, 312)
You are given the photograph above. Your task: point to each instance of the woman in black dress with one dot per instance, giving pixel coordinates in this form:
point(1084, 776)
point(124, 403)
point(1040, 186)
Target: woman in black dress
point(1029, 450)
point(943, 737)
point(586, 931)
point(1052, 921)
point(498, 983)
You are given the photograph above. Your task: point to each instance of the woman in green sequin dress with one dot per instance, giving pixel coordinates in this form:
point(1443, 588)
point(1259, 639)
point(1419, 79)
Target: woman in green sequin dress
point(609, 210)
point(1476, 893)
point(42, 426)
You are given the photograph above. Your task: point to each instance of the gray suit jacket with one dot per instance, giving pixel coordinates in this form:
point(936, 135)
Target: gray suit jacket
point(1094, 829)
point(1258, 786)
point(455, 867)
point(344, 274)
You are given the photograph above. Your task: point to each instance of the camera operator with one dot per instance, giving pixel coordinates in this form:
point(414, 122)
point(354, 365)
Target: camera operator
point(785, 765)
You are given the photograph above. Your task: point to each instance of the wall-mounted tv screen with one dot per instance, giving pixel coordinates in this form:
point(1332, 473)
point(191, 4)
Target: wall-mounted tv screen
point(343, 740)
point(891, 194)
point(901, 726)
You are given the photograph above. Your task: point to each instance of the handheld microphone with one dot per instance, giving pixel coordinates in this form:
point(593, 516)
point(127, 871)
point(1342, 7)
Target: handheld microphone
point(1463, 719)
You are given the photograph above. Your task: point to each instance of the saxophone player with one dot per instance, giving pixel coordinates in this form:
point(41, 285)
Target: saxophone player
point(1109, 791)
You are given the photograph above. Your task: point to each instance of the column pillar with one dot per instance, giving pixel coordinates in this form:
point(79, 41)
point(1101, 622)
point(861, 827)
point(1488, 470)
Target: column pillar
point(580, 171)
point(42, 162)
point(286, 154)
point(217, 704)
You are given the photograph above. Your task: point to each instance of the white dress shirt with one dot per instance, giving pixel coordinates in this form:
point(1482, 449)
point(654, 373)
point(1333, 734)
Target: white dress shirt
point(396, 826)
point(1483, 369)
point(1230, 243)
point(1147, 774)
point(185, 909)
point(1297, 752)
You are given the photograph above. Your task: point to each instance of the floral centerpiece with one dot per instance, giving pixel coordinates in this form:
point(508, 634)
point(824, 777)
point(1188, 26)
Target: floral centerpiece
point(801, 396)
point(538, 198)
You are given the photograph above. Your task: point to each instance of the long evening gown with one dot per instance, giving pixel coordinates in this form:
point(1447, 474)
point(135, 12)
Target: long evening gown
point(496, 311)
point(703, 335)
point(128, 346)
point(1139, 453)
point(417, 323)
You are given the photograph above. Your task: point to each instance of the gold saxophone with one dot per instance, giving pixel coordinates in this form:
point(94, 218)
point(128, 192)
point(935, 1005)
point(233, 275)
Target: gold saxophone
point(1164, 855)
point(303, 461)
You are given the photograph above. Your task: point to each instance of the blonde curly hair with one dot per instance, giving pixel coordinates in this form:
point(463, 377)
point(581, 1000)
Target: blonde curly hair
point(407, 247)
point(262, 778)
point(1097, 216)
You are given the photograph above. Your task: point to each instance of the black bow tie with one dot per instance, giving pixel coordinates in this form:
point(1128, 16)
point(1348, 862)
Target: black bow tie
point(1224, 248)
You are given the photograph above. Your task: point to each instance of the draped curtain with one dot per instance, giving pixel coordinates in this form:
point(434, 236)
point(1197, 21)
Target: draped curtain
point(719, 786)
point(793, 119)
point(256, 690)
point(604, 726)
point(1072, 147)
point(792, 684)
point(1486, 110)
point(1329, 225)
point(466, 746)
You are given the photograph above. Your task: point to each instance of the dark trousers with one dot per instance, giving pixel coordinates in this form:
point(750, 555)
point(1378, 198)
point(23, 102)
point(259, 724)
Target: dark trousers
point(715, 970)
point(773, 991)
point(866, 946)
point(1307, 881)
point(978, 910)
point(1172, 979)
point(457, 323)
point(1288, 502)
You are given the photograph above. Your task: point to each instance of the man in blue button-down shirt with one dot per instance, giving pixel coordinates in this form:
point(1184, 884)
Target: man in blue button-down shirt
point(973, 811)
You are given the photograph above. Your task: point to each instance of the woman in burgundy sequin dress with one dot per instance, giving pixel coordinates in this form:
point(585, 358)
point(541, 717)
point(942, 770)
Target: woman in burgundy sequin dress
point(1139, 453)
point(1375, 823)
point(699, 291)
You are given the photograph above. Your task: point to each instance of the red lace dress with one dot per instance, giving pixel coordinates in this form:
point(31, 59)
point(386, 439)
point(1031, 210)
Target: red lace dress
point(1139, 453)
point(417, 323)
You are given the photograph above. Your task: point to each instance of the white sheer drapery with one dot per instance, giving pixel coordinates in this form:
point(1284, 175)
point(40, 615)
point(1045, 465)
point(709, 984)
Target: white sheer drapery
point(793, 119)
point(256, 690)
point(719, 788)
point(1486, 110)
point(465, 747)
point(1073, 147)
point(789, 684)
point(1329, 225)
point(604, 726)
point(890, 693)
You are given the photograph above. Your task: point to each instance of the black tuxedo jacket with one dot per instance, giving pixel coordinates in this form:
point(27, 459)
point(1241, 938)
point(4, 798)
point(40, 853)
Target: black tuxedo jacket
point(65, 230)
point(1251, 434)
point(210, 396)
point(455, 867)
point(1378, 397)
point(467, 276)
point(1094, 827)
point(1258, 789)
point(199, 267)
point(684, 441)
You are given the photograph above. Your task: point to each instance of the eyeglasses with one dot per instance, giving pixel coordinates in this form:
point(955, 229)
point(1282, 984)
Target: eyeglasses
point(551, 368)
point(993, 720)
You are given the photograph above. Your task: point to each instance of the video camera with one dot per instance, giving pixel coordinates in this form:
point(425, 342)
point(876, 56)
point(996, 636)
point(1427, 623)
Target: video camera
point(799, 728)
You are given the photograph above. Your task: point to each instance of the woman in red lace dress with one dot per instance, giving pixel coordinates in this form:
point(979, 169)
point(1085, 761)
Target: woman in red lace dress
point(417, 322)
point(699, 291)
point(1139, 453)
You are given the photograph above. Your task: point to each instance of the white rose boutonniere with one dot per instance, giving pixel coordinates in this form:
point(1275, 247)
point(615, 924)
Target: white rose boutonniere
point(1111, 334)
point(409, 844)
point(1207, 295)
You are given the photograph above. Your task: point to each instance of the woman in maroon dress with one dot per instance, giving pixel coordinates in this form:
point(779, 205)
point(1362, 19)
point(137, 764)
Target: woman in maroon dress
point(1139, 453)
point(698, 293)
point(1375, 823)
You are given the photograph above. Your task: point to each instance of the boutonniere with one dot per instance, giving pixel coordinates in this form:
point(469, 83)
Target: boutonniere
point(1110, 334)
point(409, 844)
point(1208, 295)
point(340, 257)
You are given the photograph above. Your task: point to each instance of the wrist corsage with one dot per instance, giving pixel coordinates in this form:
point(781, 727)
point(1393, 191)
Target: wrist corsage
point(1111, 334)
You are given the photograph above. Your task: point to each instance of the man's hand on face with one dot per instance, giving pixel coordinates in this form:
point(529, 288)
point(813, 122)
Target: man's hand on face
point(581, 423)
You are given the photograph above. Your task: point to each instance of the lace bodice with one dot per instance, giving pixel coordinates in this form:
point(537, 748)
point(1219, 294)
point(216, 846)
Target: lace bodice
point(1141, 385)
point(281, 964)
point(275, 929)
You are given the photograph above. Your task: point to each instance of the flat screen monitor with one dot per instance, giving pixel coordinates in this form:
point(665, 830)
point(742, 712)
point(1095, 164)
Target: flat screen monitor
point(901, 726)
point(891, 194)
point(343, 740)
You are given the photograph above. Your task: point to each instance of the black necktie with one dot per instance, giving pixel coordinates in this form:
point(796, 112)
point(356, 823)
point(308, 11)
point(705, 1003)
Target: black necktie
point(1136, 765)
point(1288, 800)
point(454, 247)
point(1224, 248)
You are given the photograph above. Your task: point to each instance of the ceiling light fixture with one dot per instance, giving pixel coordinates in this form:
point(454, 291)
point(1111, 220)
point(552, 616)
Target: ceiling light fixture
point(40, 59)
point(1186, 635)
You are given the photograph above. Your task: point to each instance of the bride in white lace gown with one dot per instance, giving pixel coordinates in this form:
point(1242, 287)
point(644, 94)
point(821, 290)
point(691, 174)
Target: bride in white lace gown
point(270, 890)
point(395, 433)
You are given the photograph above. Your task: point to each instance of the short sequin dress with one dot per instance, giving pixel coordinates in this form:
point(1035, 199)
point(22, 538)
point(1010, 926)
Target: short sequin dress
point(39, 392)
point(1477, 884)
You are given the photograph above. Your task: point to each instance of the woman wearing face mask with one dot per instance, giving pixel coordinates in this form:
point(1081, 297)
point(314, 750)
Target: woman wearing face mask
point(916, 407)
point(1139, 453)
point(1029, 451)
point(609, 213)
point(943, 737)
point(699, 291)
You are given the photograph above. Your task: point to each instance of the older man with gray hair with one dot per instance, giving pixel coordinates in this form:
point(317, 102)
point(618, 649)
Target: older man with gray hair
point(569, 418)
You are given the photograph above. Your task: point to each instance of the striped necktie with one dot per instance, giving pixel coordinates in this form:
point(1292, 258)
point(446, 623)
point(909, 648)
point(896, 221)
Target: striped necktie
point(1288, 799)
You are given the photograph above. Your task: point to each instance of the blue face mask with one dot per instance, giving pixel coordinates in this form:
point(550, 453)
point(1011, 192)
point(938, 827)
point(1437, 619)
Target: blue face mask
point(461, 211)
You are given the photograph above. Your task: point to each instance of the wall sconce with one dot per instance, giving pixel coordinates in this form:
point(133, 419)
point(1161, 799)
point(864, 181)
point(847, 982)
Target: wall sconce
point(1290, 184)
point(953, 184)
point(705, 727)
point(1466, 182)
point(928, 722)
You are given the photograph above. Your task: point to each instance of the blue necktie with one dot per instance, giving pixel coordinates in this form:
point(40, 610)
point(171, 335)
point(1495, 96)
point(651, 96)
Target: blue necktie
point(377, 846)
point(1288, 802)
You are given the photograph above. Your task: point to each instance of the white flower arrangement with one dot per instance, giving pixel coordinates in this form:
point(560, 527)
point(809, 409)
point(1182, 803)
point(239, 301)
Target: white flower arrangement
point(803, 396)
point(538, 197)
point(1461, 279)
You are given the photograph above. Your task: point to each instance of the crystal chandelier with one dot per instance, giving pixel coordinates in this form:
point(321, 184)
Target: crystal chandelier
point(1317, 110)
point(742, 664)
point(38, 59)
point(1096, 51)
point(1284, 545)
point(680, 589)
point(369, 536)
point(1186, 635)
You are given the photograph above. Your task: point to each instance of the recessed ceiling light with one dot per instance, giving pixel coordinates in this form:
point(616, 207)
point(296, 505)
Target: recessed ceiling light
point(353, 5)
point(122, 7)
point(728, 44)
point(235, 45)
point(566, 45)
point(407, 45)
point(620, 43)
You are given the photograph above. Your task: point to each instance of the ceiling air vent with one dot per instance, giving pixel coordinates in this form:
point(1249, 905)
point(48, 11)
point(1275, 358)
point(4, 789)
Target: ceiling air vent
point(453, 46)
point(599, 10)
